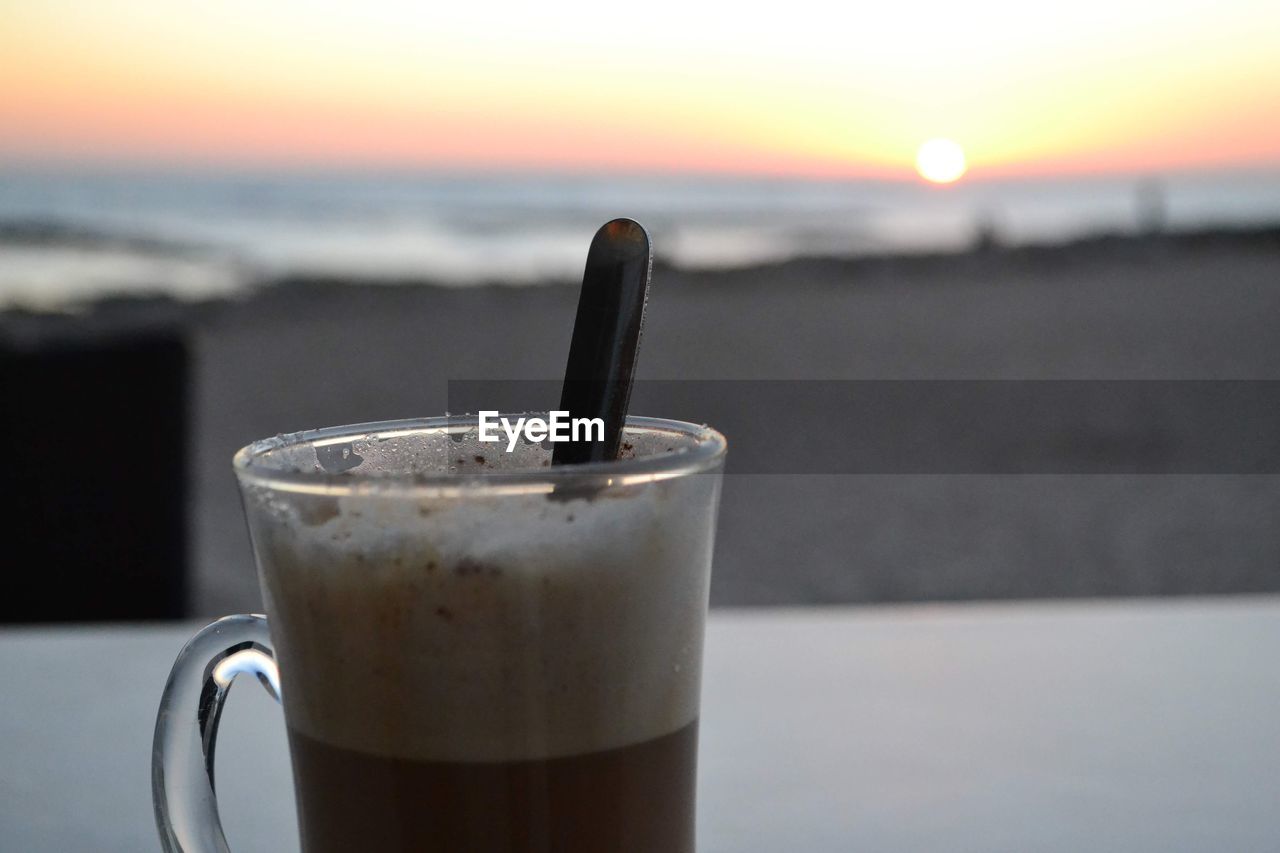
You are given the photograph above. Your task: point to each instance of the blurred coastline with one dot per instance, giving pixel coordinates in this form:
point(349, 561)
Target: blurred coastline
point(70, 237)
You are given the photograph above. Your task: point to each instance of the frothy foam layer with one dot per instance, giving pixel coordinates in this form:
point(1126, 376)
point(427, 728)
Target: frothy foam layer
point(488, 628)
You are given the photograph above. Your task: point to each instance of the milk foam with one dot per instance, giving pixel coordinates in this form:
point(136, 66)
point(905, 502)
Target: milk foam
point(488, 627)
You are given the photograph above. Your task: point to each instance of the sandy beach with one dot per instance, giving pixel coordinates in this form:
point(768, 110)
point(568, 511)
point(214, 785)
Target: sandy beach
point(303, 354)
point(298, 354)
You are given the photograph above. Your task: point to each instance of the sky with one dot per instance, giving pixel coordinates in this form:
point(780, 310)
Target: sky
point(806, 88)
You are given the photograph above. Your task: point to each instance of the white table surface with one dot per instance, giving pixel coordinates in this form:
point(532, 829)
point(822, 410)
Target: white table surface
point(1096, 726)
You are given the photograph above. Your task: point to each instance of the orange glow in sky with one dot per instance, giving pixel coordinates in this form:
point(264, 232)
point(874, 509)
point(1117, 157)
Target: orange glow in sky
point(806, 89)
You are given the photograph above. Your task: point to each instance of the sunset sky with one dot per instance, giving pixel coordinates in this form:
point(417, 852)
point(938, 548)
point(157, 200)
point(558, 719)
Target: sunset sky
point(809, 88)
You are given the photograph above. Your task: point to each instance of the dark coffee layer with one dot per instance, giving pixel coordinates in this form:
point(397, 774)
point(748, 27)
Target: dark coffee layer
point(636, 799)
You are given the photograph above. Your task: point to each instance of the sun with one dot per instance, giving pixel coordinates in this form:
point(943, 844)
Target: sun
point(940, 161)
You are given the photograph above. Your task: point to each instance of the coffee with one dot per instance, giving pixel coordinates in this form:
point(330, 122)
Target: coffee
point(481, 671)
point(634, 799)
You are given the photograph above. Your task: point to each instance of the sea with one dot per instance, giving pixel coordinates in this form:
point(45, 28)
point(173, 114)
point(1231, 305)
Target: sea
point(70, 236)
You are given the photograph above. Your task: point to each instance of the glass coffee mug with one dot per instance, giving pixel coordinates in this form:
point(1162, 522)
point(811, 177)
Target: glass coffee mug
point(475, 651)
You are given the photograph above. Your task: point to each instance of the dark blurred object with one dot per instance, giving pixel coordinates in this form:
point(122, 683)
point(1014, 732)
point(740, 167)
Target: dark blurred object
point(1151, 206)
point(986, 234)
point(94, 431)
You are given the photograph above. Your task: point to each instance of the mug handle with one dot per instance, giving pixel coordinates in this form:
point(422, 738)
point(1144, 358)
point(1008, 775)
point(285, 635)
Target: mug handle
point(187, 728)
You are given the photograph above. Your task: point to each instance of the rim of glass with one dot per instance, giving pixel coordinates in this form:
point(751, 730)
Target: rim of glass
point(706, 452)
